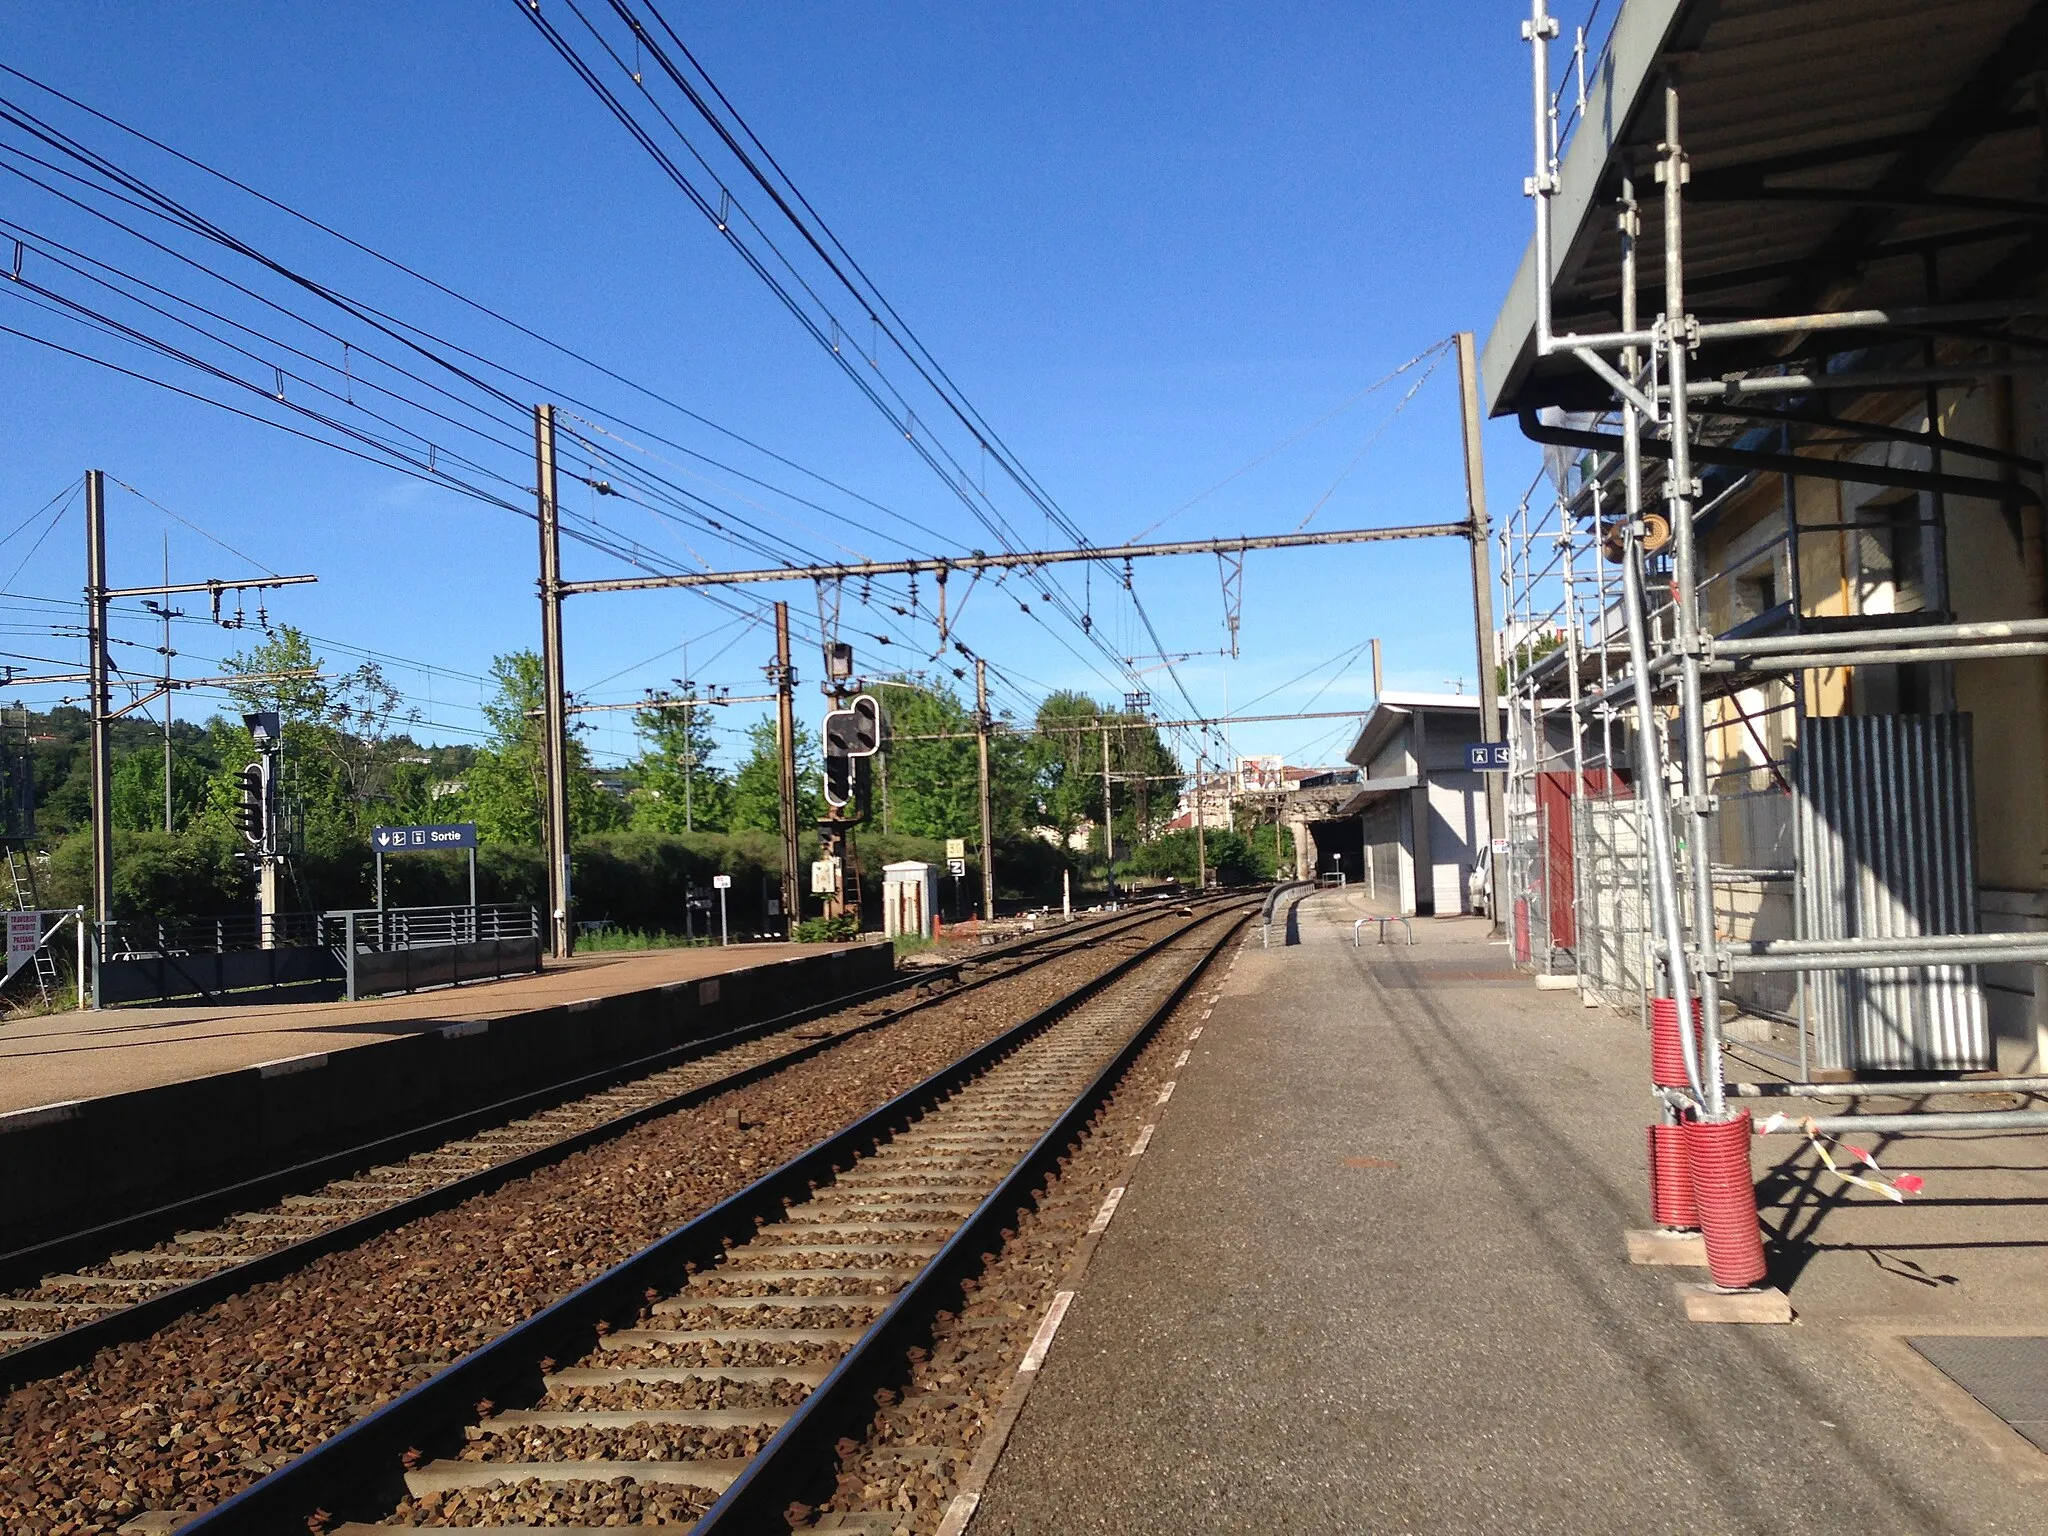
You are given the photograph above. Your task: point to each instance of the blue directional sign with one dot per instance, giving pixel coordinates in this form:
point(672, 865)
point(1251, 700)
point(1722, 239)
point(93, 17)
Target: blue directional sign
point(457, 834)
point(1485, 757)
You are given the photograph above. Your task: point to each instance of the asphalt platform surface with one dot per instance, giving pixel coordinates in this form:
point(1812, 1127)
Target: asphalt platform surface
point(1370, 1277)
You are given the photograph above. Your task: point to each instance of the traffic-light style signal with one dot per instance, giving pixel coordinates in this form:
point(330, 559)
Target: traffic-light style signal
point(851, 734)
point(253, 814)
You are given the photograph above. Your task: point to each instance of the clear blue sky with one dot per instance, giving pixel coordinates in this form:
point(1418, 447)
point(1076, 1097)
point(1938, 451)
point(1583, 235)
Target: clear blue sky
point(1150, 244)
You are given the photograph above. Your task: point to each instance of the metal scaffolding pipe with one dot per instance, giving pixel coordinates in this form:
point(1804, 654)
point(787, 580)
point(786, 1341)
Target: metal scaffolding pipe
point(1956, 1120)
point(1735, 385)
point(1870, 656)
point(1848, 470)
point(1933, 941)
point(1905, 1090)
point(1901, 959)
point(1800, 325)
point(1912, 634)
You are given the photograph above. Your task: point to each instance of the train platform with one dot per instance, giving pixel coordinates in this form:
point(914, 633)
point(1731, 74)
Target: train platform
point(106, 1114)
point(1369, 1275)
point(82, 1053)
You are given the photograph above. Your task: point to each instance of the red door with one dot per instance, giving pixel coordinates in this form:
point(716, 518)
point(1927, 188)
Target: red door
point(1554, 814)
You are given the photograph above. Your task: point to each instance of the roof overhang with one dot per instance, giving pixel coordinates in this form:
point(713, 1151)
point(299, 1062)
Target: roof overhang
point(1836, 147)
point(1372, 792)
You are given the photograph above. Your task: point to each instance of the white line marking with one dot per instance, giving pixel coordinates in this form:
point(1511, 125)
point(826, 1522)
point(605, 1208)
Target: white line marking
point(1144, 1140)
point(1165, 1093)
point(583, 1003)
point(1101, 1221)
point(1181, 1060)
point(285, 1066)
point(1195, 1033)
point(40, 1114)
point(1041, 1341)
point(1206, 1012)
point(958, 1513)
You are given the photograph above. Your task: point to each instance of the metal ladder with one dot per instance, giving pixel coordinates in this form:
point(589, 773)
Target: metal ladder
point(21, 873)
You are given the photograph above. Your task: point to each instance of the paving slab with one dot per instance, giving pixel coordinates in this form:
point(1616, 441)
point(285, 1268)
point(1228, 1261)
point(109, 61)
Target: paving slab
point(86, 1054)
point(1371, 1277)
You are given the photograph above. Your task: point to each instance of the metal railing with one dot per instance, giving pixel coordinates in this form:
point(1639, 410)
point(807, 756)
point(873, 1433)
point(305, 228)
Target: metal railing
point(389, 928)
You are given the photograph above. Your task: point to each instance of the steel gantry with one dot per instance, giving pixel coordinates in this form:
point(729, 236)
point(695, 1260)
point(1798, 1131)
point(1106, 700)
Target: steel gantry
point(555, 588)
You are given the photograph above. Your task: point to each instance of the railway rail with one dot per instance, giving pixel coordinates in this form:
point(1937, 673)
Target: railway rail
point(710, 1378)
point(66, 1299)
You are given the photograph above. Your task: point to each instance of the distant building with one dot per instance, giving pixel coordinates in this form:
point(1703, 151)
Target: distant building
point(1412, 824)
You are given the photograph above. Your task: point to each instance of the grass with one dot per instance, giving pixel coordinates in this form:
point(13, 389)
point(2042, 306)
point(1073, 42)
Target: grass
point(912, 944)
point(635, 938)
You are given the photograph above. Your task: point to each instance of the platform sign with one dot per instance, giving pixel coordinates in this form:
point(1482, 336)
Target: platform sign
point(1487, 757)
point(24, 937)
point(721, 882)
point(427, 839)
point(956, 848)
point(825, 877)
point(957, 868)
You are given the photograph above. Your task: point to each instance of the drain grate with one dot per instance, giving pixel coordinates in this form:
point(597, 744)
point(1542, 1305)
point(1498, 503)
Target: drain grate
point(2007, 1374)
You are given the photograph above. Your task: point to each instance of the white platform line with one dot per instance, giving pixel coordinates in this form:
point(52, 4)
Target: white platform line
point(1041, 1341)
point(1144, 1140)
point(1102, 1217)
point(1165, 1093)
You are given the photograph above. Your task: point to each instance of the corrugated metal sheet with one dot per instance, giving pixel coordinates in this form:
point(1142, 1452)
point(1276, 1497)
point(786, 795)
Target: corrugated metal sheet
point(1887, 849)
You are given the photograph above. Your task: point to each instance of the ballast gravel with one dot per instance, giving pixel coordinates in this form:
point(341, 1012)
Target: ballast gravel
point(206, 1406)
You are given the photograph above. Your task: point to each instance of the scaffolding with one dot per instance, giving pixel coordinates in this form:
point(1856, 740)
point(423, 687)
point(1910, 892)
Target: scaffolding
point(1734, 837)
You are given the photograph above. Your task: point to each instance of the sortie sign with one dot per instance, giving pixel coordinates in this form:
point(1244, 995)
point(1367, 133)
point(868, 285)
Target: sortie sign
point(457, 834)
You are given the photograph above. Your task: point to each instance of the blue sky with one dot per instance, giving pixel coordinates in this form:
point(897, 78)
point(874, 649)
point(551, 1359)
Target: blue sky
point(1151, 244)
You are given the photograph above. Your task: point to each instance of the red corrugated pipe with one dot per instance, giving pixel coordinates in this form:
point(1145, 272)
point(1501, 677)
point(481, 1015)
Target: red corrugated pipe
point(1718, 1152)
point(1671, 1197)
point(1667, 1051)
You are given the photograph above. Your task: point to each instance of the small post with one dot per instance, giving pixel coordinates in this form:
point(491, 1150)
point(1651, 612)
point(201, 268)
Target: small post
point(348, 949)
point(724, 932)
point(474, 914)
point(378, 855)
point(1066, 893)
point(1201, 839)
point(78, 918)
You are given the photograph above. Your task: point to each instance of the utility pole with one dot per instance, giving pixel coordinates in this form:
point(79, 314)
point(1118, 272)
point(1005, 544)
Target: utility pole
point(1377, 690)
point(988, 867)
point(100, 708)
point(554, 747)
point(1108, 821)
point(1201, 840)
point(785, 744)
point(1482, 603)
point(165, 609)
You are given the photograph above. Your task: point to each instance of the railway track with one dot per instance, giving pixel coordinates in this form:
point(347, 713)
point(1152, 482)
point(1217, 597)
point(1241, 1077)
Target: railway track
point(64, 1300)
point(710, 1378)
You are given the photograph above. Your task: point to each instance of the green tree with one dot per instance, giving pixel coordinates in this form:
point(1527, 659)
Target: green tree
point(681, 789)
point(935, 785)
point(757, 784)
point(503, 788)
point(138, 789)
